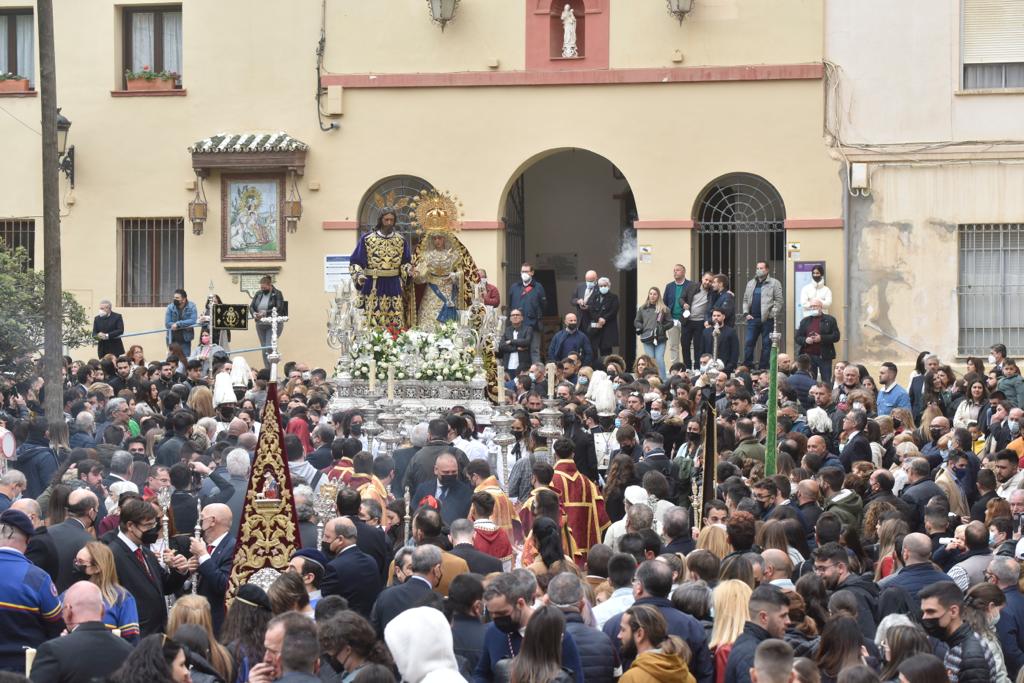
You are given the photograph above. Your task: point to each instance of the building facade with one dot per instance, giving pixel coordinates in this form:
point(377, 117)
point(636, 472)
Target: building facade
point(697, 142)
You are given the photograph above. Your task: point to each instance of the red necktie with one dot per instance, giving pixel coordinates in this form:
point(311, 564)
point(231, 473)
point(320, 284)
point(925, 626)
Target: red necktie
point(209, 550)
point(142, 560)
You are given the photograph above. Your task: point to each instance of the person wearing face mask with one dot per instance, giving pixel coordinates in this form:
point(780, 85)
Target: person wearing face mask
point(426, 576)
point(529, 297)
point(453, 494)
point(938, 428)
point(762, 303)
point(983, 606)
point(942, 606)
point(603, 328)
point(816, 289)
point(816, 338)
point(509, 599)
point(55, 550)
point(492, 297)
point(1004, 573)
point(214, 552)
point(138, 568)
point(580, 301)
point(351, 573)
point(349, 643)
point(570, 340)
point(107, 328)
point(12, 485)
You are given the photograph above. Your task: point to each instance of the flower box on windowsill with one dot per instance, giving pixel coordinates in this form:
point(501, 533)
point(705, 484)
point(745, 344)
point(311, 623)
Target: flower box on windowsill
point(149, 84)
point(14, 85)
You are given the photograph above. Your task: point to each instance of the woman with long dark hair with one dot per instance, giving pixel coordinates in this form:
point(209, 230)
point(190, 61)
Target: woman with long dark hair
point(540, 655)
point(923, 668)
point(244, 627)
point(547, 539)
point(812, 589)
point(621, 473)
point(900, 643)
point(157, 659)
point(840, 648)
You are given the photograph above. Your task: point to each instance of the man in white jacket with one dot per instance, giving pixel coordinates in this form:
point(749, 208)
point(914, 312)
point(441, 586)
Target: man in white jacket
point(816, 289)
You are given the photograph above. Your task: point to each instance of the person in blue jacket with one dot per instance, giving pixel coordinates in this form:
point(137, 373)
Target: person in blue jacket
point(570, 340)
point(529, 297)
point(179, 318)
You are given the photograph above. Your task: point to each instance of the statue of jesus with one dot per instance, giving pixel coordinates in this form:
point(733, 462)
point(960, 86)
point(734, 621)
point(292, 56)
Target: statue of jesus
point(381, 265)
point(569, 32)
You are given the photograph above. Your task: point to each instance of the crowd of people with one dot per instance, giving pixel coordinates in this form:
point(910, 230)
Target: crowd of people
point(882, 543)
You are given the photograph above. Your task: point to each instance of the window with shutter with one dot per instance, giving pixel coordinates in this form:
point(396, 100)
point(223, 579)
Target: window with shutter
point(993, 44)
point(990, 288)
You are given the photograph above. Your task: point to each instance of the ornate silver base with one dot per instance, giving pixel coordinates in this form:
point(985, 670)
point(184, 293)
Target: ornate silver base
point(416, 395)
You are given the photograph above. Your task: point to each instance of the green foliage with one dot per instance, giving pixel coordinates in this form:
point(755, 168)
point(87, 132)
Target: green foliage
point(22, 315)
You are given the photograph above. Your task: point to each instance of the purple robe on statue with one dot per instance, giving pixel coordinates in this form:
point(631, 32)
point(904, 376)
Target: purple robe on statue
point(384, 261)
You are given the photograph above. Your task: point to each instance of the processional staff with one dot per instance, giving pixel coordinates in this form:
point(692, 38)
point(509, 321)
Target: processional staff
point(274, 357)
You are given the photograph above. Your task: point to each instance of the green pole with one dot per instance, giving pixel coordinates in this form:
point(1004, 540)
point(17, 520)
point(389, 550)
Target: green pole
point(771, 441)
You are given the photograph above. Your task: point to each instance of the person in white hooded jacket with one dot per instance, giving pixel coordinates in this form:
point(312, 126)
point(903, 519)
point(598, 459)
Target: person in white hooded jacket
point(816, 289)
point(420, 640)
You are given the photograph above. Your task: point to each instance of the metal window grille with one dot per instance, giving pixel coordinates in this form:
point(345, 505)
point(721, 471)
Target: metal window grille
point(20, 233)
point(151, 260)
point(990, 288)
point(515, 231)
point(394, 193)
point(740, 221)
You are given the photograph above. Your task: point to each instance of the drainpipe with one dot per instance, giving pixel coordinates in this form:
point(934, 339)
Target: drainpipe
point(847, 228)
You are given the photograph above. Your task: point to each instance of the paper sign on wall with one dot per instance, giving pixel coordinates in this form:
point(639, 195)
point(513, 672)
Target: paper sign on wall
point(335, 270)
point(646, 253)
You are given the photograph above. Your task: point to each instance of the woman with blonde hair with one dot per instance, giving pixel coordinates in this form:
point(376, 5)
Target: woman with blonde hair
point(713, 539)
point(652, 322)
point(889, 533)
point(640, 365)
point(201, 402)
point(95, 563)
point(731, 600)
point(195, 609)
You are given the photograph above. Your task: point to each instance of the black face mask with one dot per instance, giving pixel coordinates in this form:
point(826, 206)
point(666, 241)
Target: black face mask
point(572, 328)
point(506, 624)
point(325, 548)
point(931, 627)
point(150, 536)
point(356, 430)
point(518, 433)
point(448, 479)
point(78, 575)
point(693, 436)
point(935, 433)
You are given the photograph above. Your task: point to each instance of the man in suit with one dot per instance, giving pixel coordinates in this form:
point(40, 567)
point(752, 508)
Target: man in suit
point(603, 330)
point(728, 341)
point(214, 552)
point(138, 568)
point(370, 539)
point(183, 503)
point(351, 573)
point(453, 494)
point(54, 548)
point(107, 328)
point(404, 456)
point(89, 650)
point(816, 337)
point(676, 293)
point(422, 465)
point(580, 302)
point(916, 389)
point(322, 457)
point(857, 445)
point(426, 575)
point(514, 348)
point(529, 297)
point(461, 534)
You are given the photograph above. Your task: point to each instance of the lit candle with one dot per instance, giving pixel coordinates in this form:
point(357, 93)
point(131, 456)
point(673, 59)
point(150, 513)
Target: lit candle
point(501, 384)
point(391, 381)
point(551, 380)
point(373, 374)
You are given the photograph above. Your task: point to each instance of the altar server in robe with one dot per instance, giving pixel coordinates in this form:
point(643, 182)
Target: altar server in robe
point(581, 500)
point(479, 472)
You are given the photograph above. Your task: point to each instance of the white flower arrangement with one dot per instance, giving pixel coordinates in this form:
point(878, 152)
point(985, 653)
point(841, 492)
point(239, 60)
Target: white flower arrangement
point(438, 356)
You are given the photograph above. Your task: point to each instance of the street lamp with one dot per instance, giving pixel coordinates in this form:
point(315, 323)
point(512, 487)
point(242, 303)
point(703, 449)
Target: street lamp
point(680, 8)
point(197, 208)
point(65, 154)
point(442, 11)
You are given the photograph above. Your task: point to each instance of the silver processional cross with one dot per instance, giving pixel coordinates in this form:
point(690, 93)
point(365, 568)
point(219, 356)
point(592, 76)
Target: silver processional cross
point(274, 319)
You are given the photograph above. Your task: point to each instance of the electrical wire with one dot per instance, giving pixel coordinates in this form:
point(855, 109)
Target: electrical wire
point(321, 47)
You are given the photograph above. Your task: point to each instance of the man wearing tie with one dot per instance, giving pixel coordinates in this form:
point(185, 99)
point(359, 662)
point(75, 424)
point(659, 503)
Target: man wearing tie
point(138, 568)
point(215, 552)
point(581, 298)
point(452, 493)
point(515, 344)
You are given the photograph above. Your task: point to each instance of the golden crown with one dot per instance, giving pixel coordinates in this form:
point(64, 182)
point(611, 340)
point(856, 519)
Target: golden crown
point(434, 211)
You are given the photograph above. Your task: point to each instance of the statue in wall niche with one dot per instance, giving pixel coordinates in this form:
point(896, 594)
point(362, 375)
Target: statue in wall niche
point(569, 33)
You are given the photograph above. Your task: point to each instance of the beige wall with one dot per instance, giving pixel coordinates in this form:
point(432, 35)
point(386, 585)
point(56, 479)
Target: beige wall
point(249, 67)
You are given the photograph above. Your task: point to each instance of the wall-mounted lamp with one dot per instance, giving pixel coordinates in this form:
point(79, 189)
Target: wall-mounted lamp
point(292, 209)
point(65, 154)
point(442, 11)
point(680, 8)
point(198, 209)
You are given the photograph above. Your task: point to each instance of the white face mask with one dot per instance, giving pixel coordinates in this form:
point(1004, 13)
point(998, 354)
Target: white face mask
point(655, 414)
point(526, 277)
point(590, 285)
point(991, 359)
point(858, 405)
point(814, 312)
point(104, 314)
point(483, 281)
point(604, 290)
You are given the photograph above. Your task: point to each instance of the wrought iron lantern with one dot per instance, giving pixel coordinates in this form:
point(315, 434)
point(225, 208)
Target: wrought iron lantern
point(65, 154)
point(198, 209)
point(680, 8)
point(442, 11)
point(292, 209)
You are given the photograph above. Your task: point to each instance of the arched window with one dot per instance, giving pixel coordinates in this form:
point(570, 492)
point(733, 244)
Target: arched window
point(392, 193)
point(740, 220)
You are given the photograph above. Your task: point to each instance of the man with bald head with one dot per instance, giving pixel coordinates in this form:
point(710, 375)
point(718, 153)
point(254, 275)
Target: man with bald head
point(938, 428)
point(807, 493)
point(453, 494)
point(89, 651)
point(31, 509)
point(351, 573)
point(53, 550)
point(778, 569)
point(918, 570)
point(214, 553)
point(818, 447)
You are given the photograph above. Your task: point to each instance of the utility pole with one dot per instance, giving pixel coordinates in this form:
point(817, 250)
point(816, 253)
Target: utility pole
point(52, 294)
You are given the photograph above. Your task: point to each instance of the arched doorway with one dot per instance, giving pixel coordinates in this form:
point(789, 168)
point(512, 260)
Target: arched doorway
point(740, 220)
point(394, 193)
point(566, 212)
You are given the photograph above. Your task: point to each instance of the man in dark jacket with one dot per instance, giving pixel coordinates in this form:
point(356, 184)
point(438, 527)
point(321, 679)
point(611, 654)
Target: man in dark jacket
point(89, 650)
point(570, 339)
point(107, 328)
point(919, 490)
point(918, 570)
point(881, 483)
point(516, 340)
point(36, 459)
point(351, 573)
point(461, 534)
point(392, 601)
point(466, 595)
point(728, 342)
point(597, 652)
point(529, 297)
point(941, 607)
point(370, 539)
point(603, 330)
point(816, 338)
point(769, 618)
point(655, 582)
point(421, 467)
point(261, 307)
point(832, 564)
point(802, 380)
point(1004, 572)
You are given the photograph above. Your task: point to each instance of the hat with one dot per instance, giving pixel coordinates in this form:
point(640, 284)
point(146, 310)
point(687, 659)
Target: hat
point(19, 520)
point(254, 596)
point(312, 555)
point(223, 392)
point(635, 494)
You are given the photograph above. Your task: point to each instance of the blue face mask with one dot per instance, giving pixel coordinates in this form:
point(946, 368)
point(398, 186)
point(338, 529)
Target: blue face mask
point(583, 380)
point(618, 423)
